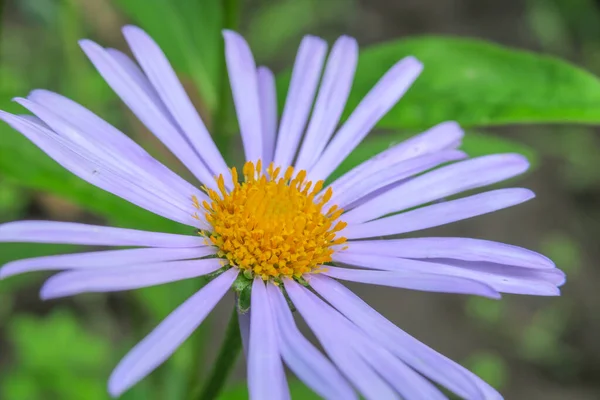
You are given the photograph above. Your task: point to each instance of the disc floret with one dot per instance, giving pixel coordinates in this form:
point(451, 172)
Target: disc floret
point(272, 225)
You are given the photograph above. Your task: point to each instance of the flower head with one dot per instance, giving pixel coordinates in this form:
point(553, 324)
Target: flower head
point(277, 223)
point(271, 225)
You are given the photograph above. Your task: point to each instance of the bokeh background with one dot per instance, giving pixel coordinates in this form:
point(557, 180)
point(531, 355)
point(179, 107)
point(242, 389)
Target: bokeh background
point(529, 348)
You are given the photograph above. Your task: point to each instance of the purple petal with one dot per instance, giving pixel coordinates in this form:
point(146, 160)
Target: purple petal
point(264, 361)
point(74, 233)
point(342, 349)
point(422, 358)
point(114, 279)
point(268, 105)
point(169, 335)
point(357, 189)
point(443, 182)
point(439, 138)
point(331, 100)
point(314, 369)
point(101, 133)
point(300, 97)
point(439, 214)
point(100, 259)
point(147, 108)
point(107, 176)
point(453, 247)
point(504, 279)
point(160, 73)
point(384, 95)
point(244, 86)
point(106, 155)
point(423, 281)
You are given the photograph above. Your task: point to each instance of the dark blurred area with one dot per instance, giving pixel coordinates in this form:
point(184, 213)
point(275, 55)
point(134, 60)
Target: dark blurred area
point(529, 348)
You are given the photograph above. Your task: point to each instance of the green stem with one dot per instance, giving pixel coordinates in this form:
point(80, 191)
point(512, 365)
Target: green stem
point(228, 354)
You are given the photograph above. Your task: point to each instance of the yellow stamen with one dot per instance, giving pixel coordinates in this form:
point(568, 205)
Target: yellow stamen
point(272, 226)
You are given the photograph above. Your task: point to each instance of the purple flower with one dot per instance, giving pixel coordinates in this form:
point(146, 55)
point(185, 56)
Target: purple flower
point(276, 223)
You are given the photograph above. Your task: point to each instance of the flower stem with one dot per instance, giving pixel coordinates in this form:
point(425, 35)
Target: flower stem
point(228, 354)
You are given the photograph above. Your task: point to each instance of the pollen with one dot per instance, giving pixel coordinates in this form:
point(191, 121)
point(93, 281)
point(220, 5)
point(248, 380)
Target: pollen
point(272, 224)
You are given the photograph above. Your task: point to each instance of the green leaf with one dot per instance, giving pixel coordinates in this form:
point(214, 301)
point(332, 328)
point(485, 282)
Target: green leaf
point(188, 31)
point(276, 24)
point(490, 367)
point(56, 357)
point(477, 83)
point(474, 144)
point(298, 391)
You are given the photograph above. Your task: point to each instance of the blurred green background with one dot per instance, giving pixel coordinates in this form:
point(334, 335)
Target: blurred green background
point(529, 348)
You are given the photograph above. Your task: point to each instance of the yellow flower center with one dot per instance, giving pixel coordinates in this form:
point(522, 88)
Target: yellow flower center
point(272, 225)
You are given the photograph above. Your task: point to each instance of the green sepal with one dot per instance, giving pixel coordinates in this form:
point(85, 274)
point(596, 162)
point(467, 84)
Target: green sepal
point(243, 287)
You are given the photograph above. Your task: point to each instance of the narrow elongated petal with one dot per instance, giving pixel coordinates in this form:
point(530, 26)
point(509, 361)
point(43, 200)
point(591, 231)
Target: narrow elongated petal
point(169, 335)
point(404, 380)
point(393, 173)
point(244, 86)
point(384, 95)
point(331, 100)
point(440, 183)
point(453, 247)
point(314, 369)
point(101, 133)
point(505, 279)
point(149, 109)
point(265, 369)
point(105, 175)
point(423, 281)
point(113, 279)
point(105, 155)
point(341, 348)
point(268, 107)
point(440, 214)
point(422, 358)
point(75, 233)
point(445, 136)
point(169, 88)
point(100, 259)
point(299, 101)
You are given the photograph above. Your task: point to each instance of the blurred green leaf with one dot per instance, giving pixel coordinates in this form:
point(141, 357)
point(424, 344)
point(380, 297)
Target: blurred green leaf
point(486, 310)
point(298, 391)
point(276, 23)
point(490, 367)
point(474, 144)
point(188, 31)
point(477, 83)
point(57, 358)
point(563, 250)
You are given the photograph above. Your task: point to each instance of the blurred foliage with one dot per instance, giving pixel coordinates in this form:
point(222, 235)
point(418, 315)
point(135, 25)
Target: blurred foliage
point(62, 355)
point(490, 367)
point(57, 359)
